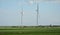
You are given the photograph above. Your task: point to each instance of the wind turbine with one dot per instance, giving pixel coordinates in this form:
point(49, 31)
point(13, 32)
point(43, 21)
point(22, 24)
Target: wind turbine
point(37, 3)
point(37, 13)
point(22, 14)
point(22, 17)
point(37, 10)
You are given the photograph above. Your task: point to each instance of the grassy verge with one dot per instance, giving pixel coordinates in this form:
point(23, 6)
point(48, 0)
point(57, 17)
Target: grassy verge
point(30, 31)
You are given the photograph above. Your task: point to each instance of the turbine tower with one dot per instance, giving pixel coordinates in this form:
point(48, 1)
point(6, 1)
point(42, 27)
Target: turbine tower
point(22, 14)
point(37, 14)
point(22, 17)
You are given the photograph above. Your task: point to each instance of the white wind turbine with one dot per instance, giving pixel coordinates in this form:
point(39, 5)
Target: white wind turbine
point(37, 3)
point(22, 13)
point(37, 10)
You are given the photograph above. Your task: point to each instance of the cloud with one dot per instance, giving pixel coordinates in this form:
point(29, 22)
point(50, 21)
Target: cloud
point(31, 2)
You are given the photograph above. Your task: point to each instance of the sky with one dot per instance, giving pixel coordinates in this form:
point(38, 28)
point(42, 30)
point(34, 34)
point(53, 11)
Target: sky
point(10, 12)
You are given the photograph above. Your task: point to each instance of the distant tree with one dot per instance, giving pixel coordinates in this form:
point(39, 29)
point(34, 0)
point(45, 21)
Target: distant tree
point(50, 25)
point(13, 26)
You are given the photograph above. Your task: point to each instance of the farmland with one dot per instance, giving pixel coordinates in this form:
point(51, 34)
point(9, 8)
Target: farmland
point(30, 31)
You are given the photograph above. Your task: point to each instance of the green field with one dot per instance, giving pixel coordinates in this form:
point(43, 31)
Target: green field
point(30, 31)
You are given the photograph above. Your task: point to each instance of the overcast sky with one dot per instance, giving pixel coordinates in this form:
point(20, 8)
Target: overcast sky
point(10, 12)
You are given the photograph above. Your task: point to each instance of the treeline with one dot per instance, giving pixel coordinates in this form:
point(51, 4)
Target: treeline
point(37, 26)
point(29, 26)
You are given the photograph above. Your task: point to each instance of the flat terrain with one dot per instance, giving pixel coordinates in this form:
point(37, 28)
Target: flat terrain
point(30, 31)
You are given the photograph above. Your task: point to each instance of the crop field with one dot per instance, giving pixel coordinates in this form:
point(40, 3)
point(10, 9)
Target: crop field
point(30, 31)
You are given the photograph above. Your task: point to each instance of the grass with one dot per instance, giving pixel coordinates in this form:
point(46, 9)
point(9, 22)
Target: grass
point(30, 31)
